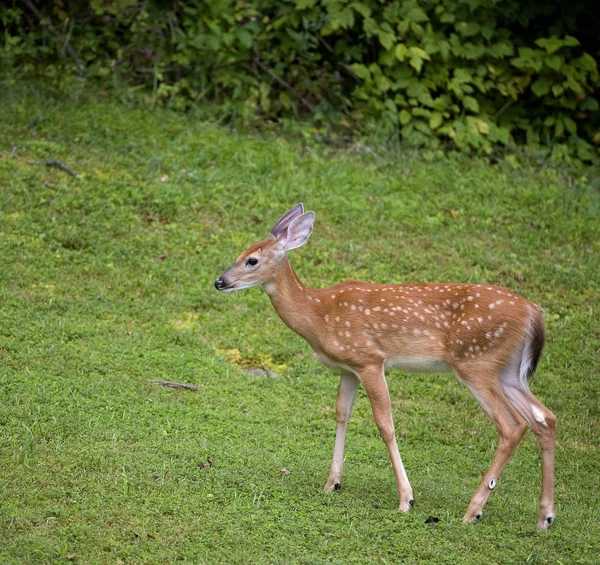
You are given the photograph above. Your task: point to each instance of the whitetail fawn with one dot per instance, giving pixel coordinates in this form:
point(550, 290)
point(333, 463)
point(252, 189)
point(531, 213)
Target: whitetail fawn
point(488, 336)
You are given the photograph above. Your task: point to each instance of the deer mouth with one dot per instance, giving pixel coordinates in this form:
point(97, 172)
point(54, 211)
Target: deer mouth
point(222, 286)
point(229, 288)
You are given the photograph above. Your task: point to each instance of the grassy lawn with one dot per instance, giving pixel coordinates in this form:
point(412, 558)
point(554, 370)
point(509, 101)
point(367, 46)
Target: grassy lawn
point(107, 283)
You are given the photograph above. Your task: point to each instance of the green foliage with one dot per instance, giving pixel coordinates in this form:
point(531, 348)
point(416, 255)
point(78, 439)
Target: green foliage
point(472, 73)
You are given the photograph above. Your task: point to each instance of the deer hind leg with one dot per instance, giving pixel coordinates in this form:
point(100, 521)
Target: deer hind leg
point(543, 423)
point(373, 379)
point(511, 428)
point(345, 398)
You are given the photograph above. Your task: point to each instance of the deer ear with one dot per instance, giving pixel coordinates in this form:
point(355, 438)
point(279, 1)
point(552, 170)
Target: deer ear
point(285, 220)
point(298, 231)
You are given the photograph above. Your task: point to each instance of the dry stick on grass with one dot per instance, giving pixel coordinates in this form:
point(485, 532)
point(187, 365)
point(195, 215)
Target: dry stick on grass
point(174, 385)
point(48, 163)
point(54, 163)
point(45, 21)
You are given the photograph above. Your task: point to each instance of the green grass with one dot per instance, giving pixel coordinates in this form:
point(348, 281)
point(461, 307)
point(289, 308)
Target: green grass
point(107, 282)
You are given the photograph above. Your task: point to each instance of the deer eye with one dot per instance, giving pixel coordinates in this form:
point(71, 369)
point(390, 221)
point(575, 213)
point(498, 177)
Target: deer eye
point(252, 261)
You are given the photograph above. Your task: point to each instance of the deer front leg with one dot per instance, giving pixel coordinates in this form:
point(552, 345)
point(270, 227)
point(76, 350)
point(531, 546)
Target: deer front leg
point(345, 398)
point(374, 382)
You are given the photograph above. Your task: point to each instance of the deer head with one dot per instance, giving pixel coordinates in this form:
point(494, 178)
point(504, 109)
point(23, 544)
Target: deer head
point(260, 262)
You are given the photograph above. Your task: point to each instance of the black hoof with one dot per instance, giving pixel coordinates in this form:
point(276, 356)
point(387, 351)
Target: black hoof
point(411, 502)
point(337, 486)
point(549, 519)
point(478, 517)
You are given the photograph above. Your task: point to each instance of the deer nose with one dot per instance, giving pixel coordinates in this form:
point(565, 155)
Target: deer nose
point(219, 283)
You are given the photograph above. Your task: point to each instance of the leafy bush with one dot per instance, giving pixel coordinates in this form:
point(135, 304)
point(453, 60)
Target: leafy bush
point(472, 73)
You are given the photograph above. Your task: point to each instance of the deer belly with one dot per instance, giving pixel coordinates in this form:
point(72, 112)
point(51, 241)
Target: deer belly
point(419, 364)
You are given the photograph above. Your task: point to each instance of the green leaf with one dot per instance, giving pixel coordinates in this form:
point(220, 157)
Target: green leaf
point(386, 38)
point(541, 86)
point(471, 104)
point(245, 38)
point(401, 51)
point(362, 8)
point(482, 126)
point(416, 15)
point(405, 117)
point(462, 75)
point(422, 127)
point(416, 63)
point(570, 125)
point(304, 4)
point(361, 71)
point(436, 120)
point(571, 41)
point(557, 90)
point(552, 44)
point(554, 62)
point(418, 52)
point(442, 102)
point(590, 104)
point(425, 98)
point(467, 29)
point(500, 134)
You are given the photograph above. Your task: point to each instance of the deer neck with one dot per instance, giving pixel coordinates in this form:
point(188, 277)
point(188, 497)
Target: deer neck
point(293, 301)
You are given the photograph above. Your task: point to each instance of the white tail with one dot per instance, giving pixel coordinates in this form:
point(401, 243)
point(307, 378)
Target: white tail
point(488, 336)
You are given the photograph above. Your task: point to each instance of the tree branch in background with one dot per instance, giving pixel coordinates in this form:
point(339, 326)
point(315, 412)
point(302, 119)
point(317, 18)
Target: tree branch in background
point(58, 36)
point(282, 82)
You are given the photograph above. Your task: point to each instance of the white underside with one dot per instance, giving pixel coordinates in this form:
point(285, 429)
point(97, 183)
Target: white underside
point(409, 364)
point(332, 363)
point(419, 364)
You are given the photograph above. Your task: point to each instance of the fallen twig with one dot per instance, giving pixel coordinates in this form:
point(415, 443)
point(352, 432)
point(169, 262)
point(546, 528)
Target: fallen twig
point(174, 385)
point(48, 163)
point(54, 163)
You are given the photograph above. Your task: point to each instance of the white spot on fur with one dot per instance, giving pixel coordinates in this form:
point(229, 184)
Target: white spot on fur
point(538, 416)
